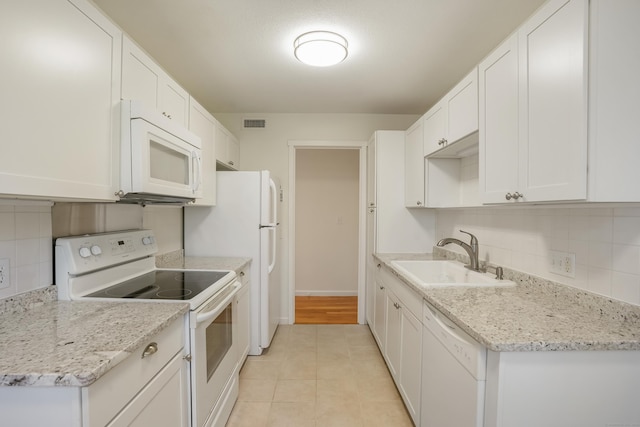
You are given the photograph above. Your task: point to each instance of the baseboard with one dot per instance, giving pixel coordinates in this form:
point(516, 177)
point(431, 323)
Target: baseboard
point(326, 293)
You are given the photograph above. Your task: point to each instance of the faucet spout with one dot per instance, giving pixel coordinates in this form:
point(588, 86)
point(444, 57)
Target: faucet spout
point(471, 249)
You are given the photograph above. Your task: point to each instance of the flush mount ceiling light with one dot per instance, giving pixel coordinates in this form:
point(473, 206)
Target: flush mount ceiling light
point(320, 48)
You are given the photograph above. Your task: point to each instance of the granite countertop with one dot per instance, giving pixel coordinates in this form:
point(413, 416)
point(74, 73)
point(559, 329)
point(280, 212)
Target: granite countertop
point(176, 260)
point(73, 343)
point(534, 315)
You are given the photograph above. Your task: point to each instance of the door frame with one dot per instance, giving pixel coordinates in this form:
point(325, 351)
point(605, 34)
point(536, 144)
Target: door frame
point(361, 146)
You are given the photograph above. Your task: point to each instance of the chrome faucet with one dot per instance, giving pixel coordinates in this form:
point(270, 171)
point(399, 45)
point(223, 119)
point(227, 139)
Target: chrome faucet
point(471, 248)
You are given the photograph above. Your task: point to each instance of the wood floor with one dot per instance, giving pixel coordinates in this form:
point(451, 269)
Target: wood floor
point(326, 310)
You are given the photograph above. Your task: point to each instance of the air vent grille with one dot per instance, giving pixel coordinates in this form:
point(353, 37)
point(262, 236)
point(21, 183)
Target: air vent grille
point(255, 123)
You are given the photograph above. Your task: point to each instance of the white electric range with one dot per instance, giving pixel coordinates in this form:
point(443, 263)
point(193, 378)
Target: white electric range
point(120, 266)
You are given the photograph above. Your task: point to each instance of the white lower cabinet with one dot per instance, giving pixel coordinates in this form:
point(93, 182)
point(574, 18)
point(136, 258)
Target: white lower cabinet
point(153, 387)
point(562, 388)
point(140, 391)
point(379, 327)
point(402, 345)
point(242, 322)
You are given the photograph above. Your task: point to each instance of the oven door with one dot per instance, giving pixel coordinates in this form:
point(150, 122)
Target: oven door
point(213, 351)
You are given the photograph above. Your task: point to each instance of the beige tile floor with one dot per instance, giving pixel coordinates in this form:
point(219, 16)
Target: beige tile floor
point(318, 376)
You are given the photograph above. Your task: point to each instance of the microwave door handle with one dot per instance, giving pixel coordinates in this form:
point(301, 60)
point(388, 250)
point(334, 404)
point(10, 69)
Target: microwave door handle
point(198, 176)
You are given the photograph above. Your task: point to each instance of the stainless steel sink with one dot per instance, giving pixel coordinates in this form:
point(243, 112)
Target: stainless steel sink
point(446, 274)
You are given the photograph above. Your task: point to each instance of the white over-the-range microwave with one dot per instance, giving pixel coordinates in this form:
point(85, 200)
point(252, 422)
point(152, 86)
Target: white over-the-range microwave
point(160, 160)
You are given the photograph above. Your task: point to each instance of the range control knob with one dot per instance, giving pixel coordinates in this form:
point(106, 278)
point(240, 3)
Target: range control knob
point(147, 240)
point(85, 252)
point(96, 250)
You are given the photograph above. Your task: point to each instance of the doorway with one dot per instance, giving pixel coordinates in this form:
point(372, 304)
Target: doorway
point(327, 234)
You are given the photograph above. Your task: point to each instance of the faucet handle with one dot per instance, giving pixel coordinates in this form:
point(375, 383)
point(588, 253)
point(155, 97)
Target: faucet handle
point(474, 240)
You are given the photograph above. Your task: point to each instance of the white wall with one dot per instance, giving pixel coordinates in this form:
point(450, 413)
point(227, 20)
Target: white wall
point(605, 241)
point(327, 202)
point(166, 222)
point(25, 239)
point(268, 149)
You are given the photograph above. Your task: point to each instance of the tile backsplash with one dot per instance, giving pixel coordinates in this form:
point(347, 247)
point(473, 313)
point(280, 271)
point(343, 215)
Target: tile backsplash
point(605, 241)
point(25, 239)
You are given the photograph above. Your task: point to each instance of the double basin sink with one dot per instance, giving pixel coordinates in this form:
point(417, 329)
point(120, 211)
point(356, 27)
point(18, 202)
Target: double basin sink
point(436, 273)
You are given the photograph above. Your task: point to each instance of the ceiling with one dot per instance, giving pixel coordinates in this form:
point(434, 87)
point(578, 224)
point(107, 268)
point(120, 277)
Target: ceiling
point(236, 56)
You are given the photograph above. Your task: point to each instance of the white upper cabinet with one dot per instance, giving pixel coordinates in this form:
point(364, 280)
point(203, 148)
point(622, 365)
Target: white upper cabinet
point(533, 109)
point(414, 165)
point(144, 80)
point(203, 124)
point(498, 157)
point(462, 108)
point(614, 94)
point(227, 149)
point(434, 128)
point(454, 117)
point(552, 50)
point(60, 101)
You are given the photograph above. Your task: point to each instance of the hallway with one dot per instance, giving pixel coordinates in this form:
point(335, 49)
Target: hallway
point(319, 376)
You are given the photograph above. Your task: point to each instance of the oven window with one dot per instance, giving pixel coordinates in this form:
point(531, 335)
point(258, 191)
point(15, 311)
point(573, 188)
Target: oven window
point(218, 339)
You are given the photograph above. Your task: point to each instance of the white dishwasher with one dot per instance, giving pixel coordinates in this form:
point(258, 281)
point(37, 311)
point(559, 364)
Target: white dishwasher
point(453, 374)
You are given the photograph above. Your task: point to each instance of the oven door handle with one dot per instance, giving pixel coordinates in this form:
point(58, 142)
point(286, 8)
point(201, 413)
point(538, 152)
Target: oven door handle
point(210, 315)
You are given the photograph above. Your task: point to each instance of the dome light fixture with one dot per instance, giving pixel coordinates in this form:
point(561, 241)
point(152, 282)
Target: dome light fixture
point(320, 48)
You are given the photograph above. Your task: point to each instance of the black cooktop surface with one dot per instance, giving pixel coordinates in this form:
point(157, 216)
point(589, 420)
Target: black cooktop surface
point(163, 284)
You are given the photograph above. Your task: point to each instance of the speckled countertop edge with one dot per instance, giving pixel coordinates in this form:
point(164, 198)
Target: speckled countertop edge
point(73, 343)
point(534, 315)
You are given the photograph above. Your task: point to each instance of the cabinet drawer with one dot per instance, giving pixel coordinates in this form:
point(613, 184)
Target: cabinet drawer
point(409, 299)
point(103, 399)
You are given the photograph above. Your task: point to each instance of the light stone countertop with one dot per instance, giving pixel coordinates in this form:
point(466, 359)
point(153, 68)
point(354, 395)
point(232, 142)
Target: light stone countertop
point(534, 315)
point(46, 342)
point(73, 343)
point(176, 260)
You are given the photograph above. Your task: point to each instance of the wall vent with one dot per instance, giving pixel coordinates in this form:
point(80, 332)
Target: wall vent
point(255, 123)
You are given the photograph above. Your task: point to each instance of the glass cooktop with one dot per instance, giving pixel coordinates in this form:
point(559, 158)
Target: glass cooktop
point(163, 284)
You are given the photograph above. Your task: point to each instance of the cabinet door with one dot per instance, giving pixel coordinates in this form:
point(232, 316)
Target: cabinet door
point(162, 402)
point(414, 166)
point(234, 151)
point(411, 363)
point(222, 148)
point(371, 172)
point(462, 108)
point(204, 125)
point(435, 123)
point(498, 88)
point(380, 314)
point(60, 101)
point(141, 77)
point(553, 102)
point(393, 347)
point(173, 101)
point(243, 322)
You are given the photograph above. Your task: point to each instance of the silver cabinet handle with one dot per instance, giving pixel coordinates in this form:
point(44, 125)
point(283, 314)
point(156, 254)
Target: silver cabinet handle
point(372, 210)
point(150, 350)
point(419, 203)
point(119, 193)
point(231, 162)
point(379, 265)
point(508, 196)
point(381, 287)
point(514, 196)
point(396, 305)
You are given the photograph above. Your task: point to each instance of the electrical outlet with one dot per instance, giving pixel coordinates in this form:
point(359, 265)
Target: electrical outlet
point(562, 263)
point(5, 273)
